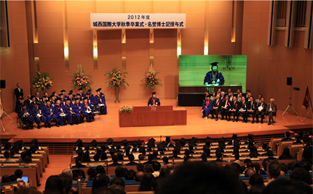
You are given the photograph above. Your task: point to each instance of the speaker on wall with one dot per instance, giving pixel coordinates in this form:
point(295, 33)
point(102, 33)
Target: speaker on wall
point(289, 81)
point(2, 84)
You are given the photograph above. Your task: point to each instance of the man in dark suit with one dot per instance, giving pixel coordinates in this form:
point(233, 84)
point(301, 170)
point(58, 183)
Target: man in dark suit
point(271, 111)
point(216, 107)
point(261, 110)
point(242, 110)
point(251, 109)
point(18, 92)
point(226, 104)
point(234, 108)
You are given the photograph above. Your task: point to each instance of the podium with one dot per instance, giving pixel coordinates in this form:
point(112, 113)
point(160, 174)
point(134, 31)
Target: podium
point(153, 116)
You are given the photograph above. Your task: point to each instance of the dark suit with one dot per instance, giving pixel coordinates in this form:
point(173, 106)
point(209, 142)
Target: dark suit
point(243, 112)
point(225, 108)
point(262, 112)
point(251, 106)
point(271, 111)
point(217, 104)
point(234, 109)
point(18, 93)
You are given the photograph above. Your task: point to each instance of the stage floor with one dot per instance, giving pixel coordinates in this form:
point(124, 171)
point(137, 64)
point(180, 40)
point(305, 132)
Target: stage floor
point(106, 126)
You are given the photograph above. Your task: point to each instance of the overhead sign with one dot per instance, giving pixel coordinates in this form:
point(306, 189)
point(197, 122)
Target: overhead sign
point(137, 20)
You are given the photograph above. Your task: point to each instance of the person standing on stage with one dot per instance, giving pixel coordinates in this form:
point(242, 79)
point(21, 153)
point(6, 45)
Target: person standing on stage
point(154, 101)
point(214, 77)
point(261, 110)
point(271, 110)
point(18, 91)
point(206, 107)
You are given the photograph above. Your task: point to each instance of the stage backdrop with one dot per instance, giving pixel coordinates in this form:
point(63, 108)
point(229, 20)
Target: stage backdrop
point(193, 69)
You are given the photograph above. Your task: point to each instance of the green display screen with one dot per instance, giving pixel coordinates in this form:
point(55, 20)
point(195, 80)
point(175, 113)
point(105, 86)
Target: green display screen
point(231, 70)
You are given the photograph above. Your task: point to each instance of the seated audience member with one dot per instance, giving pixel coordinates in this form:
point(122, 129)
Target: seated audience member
point(299, 174)
point(249, 172)
point(100, 169)
point(271, 109)
point(26, 162)
point(298, 140)
point(5, 179)
point(257, 189)
point(19, 173)
point(67, 171)
point(287, 137)
point(7, 156)
point(22, 157)
point(285, 154)
point(150, 159)
point(156, 168)
point(165, 160)
point(101, 180)
point(54, 185)
point(118, 181)
point(256, 179)
point(140, 167)
point(146, 182)
point(284, 186)
point(28, 190)
point(164, 172)
point(78, 163)
point(114, 159)
point(96, 157)
point(237, 158)
point(199, 178)
point(117, 189)
point(148, 169)
point(92, 173)
point(130, 175)
point(273, 171)
point(139, 176)
point(204, 157)
point(254, 152)
point(303, 164)
point(257, 168)
point(218, 154)
point(119, 172)
point(67, 183)
point(131, 159)
point(264, 164)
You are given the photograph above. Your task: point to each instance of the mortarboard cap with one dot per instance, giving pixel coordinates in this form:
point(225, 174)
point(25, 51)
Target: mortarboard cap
point(151, 140)
point(168, 139)
point(118, 146)
point(62, 90)
point(110, 141)
point(214, 64)
point(134, 143)
point(161, 146)
point(80, 89)
point(182, 141)
point(125, 142)
point(153, 93)
point(250, 135)
point(139, 142)
point(192, 144)
point(70, 92)
point(53, 93)
point(98, 90)
point(234, 136)
point(150, 144)
point(34, 141)
point(94, 143)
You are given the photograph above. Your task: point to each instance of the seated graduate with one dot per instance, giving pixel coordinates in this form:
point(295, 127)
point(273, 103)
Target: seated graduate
point(71, 116)
point(77, 108)
point(38, 115)
point(26, 115)
point(99, 102)
point(58, 111)
point(48, 113)
point(154, 101)
point(206, 107)
point(87, 111)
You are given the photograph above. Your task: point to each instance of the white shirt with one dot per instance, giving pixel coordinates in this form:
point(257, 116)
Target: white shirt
point(156, 174)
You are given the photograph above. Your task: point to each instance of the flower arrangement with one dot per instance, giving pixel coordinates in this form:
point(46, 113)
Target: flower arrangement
point(80, 79)
point(117, 78)
point(151, 79)
point(126, 109)
point(42, 81)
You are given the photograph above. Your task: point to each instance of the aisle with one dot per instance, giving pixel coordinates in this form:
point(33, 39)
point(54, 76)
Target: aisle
point(55, 167)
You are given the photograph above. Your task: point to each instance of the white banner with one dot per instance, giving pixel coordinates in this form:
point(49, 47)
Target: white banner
point(137, 20)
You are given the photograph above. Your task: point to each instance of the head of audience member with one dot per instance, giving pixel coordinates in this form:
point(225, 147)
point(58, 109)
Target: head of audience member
point(6, 154)
point(139, 176)
point(28, 190)
point(130, 175)
point(140, 167)
point(204, 157)
point(28, 159)
point(101, 180)
point(5, 179)
point(273, 170)
point(114, 158)
point(118, 181)
point(141, 157)
point(156, 166)
point(253, 152)
point(13, 177)
point(18, 173)
point(67, 182)
point(96, 157)
point(131, 157)
point(257, 167)
point(284, 186)
point(303, 164)
point(218, 154)
point(300, 174)
point(249, 172)
point(257, 189)
point(67, 171)
point(100, 169)
point(92, 173)
point(199, 178)
point(256, 179)
point(148, 169)
point(146, 182)
point(155, 153)
point(119, 172)
point(54, 185)
point(165, 159)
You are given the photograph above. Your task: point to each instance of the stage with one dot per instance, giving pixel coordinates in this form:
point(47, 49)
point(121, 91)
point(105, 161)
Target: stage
point(106, 126)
